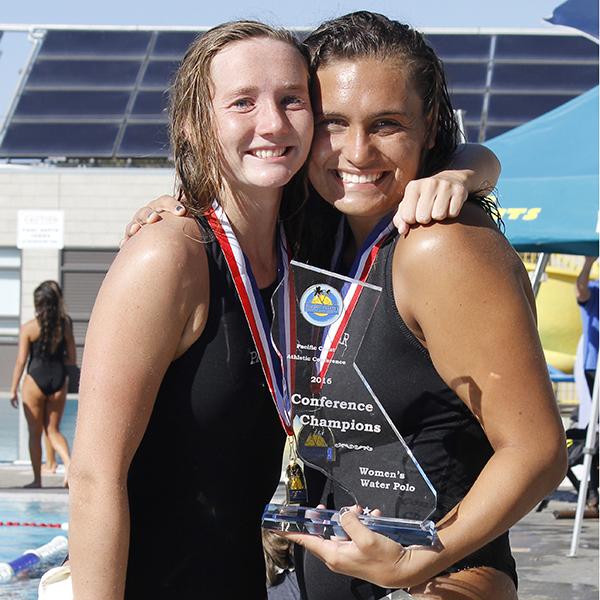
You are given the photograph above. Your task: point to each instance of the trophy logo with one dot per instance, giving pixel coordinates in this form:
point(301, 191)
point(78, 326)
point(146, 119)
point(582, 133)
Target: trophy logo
point(321, 305)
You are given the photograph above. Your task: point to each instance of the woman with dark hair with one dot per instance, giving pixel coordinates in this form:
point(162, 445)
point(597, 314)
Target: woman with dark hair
point(46, 346)
point(464, 375)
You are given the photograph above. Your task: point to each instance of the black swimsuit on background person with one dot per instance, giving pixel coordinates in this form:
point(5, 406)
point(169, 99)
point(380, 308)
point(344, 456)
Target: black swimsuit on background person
point(444, 436)
point(209, 461)
point(48, 372)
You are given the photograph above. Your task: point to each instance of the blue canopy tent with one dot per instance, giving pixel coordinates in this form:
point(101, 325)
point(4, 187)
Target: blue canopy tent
point(549, 183)
point(549, 191)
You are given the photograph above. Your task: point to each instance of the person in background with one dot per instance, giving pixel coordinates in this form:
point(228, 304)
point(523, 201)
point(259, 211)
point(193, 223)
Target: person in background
point(50, 465)
point(46, 347)
point(586, 292)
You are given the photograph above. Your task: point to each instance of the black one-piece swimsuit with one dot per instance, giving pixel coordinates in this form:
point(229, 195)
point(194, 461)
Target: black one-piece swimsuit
point(48, 371)
point(209, 461)
point(442, 433)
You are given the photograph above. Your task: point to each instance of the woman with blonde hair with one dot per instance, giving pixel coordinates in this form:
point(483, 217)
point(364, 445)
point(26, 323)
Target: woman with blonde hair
point(46, 346)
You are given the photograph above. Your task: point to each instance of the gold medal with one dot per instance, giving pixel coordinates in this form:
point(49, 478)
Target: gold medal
point(295, 486)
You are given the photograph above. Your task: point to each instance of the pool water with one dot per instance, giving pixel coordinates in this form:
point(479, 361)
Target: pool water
point(16, 540)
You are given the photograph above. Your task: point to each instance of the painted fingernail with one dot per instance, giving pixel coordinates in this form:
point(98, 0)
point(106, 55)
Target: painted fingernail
point(344, 510)
point(151, 215)
point(179, 208)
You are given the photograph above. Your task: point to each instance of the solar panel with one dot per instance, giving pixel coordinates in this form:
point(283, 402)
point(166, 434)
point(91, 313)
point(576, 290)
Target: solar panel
point(144, 141)
point(95, 43)
point(466, 76)
point(150, 104)
point(545, 47)
point(537, 77)
point(102, 93)
point(60, 139)
point(173, 43)
point(519, 108)
point(93, 104)
point(159, 73)
point(76, 73)
point(463, 47)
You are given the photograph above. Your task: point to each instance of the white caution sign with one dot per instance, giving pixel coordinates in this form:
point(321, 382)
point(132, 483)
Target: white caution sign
point(40, 229)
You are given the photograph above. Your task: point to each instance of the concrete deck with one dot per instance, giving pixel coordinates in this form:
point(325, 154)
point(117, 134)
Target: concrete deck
point(540, 542)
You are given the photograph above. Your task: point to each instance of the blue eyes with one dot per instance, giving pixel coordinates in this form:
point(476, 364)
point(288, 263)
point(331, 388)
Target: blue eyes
point(243, 103)
point(246, 104)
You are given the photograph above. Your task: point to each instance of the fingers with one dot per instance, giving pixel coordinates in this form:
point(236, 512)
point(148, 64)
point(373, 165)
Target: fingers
point(401, 225)
point(457, 200)
point(151, 214)
point(167, 203)
point(361, 535)
point(417, 202)
point(430, 199)
point(314, 544)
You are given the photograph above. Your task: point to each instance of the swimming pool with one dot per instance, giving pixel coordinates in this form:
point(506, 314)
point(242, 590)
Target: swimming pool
point(42, 508)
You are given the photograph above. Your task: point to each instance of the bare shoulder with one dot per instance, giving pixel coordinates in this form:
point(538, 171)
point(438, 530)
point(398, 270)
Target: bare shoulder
point(169, 252)
point(31, 329)
point(453, 265)
point(163, 268)
point(468, 244)
point(170, 239)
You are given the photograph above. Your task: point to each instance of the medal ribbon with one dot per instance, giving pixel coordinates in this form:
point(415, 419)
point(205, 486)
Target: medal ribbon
point(360, 269)
point(254, 310)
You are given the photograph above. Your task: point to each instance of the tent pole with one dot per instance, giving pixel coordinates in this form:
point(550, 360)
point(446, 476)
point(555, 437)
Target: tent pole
point(540, 267)
point(589, 450)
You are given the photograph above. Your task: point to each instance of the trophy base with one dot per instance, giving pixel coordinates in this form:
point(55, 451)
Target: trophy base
point(325, 523)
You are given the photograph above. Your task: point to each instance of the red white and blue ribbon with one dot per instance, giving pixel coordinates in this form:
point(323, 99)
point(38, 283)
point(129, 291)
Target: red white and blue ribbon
point(363, 262)
point(254, 310)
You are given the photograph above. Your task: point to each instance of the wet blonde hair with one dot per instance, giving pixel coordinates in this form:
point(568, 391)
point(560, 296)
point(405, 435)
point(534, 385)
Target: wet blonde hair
point(194, 143)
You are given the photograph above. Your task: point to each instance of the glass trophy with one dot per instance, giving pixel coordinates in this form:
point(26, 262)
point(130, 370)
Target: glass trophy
point(340, 428)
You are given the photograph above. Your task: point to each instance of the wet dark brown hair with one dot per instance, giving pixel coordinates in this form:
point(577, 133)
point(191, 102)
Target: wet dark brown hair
point(365, 34)
point(50, 314)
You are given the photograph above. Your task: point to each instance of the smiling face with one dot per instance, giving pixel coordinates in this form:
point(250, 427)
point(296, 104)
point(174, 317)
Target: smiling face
point(262, 113)
point(370, 136)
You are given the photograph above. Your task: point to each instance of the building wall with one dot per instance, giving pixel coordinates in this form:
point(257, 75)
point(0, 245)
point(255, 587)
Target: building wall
point(97, 204)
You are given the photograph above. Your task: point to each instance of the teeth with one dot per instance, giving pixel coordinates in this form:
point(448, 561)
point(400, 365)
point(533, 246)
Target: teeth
point(355, 178)
point(274, 153)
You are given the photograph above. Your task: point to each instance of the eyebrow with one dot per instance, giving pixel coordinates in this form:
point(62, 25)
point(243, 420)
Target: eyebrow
point(250, 89)
point(369, 117)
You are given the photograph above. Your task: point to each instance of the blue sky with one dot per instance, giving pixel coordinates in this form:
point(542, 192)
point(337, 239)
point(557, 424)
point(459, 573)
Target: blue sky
point(419, 13)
